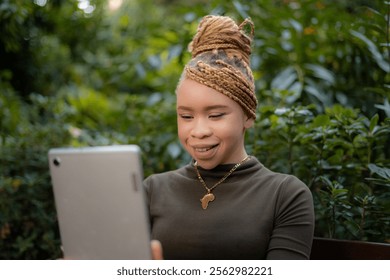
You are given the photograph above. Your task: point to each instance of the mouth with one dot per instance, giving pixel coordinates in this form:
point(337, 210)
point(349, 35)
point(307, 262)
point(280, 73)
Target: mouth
point(202, 149)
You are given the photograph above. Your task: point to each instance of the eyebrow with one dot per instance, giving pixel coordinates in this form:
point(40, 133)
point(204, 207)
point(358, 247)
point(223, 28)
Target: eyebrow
point(208, 108)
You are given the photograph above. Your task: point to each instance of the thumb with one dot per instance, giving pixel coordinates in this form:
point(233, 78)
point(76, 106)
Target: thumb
point(157, 253)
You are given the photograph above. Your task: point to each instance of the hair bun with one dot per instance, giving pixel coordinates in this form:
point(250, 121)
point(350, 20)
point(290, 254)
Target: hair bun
point(222, 33)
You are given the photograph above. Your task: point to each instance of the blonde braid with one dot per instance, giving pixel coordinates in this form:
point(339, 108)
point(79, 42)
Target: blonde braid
point(220, 60)
point(221, 32)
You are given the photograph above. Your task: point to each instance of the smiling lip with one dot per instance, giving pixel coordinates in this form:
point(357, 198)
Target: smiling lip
point(204, 148)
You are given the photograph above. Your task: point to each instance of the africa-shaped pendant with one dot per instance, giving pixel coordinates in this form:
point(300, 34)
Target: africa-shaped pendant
point(208, 197)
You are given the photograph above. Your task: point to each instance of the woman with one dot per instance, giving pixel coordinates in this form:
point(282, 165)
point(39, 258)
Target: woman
point(225, 204)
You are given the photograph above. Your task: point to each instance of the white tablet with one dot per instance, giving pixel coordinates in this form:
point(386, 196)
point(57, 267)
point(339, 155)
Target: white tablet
point(100, 202)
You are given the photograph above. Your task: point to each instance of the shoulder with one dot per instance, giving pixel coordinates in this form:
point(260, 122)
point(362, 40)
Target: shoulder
point(167, 178)
point(288, 195)
point(284, 184)
point(291, 195)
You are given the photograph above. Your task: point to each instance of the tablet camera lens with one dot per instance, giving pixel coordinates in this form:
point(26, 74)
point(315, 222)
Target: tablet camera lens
point(57, 161)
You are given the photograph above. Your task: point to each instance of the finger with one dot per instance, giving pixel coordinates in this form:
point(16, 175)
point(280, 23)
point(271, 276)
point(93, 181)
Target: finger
point(157, 253)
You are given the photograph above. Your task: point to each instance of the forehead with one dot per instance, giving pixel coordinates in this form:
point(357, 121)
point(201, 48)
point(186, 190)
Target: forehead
point(192, 94)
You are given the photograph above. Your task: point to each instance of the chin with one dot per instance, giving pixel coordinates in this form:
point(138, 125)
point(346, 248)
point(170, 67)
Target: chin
point(207, 164)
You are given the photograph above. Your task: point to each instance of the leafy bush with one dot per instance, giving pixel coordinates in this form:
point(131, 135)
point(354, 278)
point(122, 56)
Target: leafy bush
point(28, 227)
point(336, 154)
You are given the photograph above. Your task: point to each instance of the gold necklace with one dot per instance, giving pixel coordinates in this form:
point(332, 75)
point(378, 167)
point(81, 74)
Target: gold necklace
point(209, 196)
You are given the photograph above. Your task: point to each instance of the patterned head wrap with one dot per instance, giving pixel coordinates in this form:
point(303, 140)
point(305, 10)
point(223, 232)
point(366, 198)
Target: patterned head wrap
point(220, 60)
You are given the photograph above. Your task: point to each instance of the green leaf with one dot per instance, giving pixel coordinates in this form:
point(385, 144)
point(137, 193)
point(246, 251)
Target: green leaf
point(321, 121)
point(373, 122)
point(378, 57)
point(385, 107)
point(284, 79)
point(322, 73)
point(381, 171)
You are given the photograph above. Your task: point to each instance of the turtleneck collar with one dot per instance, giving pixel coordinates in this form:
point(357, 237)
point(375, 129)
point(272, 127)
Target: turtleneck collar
point(221, 169)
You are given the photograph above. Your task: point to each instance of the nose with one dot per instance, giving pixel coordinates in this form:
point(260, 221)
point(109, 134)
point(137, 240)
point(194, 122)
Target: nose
point(201, 128)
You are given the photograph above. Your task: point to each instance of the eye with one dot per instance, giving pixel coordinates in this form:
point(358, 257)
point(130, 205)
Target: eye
point(216, 115)
point(186, 116)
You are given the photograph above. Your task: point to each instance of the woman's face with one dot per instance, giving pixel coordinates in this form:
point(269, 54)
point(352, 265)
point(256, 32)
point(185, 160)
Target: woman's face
point(211, 126)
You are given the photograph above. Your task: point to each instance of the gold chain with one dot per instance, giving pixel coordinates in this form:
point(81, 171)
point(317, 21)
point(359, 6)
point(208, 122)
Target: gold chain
point(208, 197)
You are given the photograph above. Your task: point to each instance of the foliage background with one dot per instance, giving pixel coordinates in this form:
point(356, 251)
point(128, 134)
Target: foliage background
point(79, 73)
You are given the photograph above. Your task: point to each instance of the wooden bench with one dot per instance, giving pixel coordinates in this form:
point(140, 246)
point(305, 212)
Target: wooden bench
point(334, 249)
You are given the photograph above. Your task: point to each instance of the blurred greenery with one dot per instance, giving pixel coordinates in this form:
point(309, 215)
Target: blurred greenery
point(81, 72)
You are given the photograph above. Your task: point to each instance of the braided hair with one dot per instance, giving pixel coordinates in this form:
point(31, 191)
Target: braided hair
point(221, 60)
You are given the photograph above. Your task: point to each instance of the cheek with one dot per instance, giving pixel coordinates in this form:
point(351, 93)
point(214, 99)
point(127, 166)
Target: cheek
point(234, 133)
point(231, 129)
point(182, 131)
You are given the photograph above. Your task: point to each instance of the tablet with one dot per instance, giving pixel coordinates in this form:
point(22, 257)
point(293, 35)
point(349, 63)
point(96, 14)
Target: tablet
point(100, 202)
